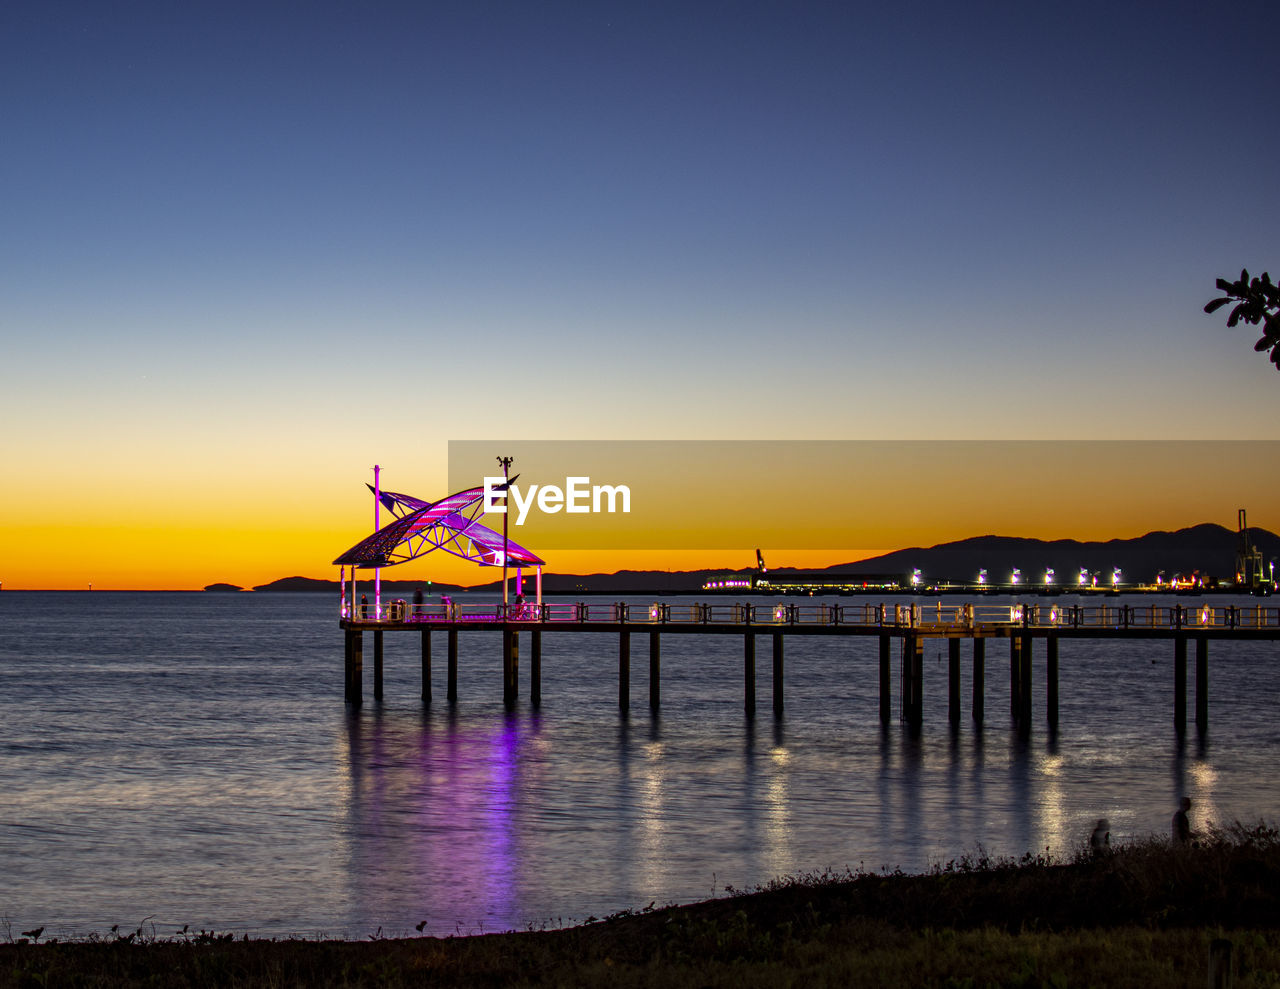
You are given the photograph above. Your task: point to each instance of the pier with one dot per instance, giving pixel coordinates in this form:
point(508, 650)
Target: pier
point(900, 628)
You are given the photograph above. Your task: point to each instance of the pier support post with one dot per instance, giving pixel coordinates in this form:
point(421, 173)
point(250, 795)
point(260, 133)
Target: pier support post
point(426, 666)
point(1015, 673)
point(912, 677)
point(953, 681)
point(777, 674)
point(624, 670)
point(377, 664)
point(1051, 681)
point(1024, 679)
point(451, 685)
point(508, 673)
point(979, 678)
point(355, 667)
point(506, 666)
point(655, 670)
point(346, 664)
point(1180, 683)
point(886, 688)
point(1202, 683)
point(535, 667)
point(749, 673)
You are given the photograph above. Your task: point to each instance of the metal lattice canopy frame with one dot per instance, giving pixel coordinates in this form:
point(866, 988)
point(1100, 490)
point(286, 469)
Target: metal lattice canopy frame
point(422, 527)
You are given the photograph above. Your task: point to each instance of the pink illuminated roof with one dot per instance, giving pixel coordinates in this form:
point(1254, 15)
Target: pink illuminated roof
point(449, 524)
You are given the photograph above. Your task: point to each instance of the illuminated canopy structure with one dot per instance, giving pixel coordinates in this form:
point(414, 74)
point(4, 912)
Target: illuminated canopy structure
point(421, 527)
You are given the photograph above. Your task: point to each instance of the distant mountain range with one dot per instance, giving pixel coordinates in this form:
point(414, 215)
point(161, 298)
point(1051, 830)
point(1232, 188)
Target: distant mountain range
point(1207, 549)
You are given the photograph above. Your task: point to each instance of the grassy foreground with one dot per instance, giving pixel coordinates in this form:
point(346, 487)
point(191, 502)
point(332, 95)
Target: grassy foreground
point(1145, 915)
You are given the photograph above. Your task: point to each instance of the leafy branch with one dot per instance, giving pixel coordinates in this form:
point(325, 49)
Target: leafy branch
point(1257, 301)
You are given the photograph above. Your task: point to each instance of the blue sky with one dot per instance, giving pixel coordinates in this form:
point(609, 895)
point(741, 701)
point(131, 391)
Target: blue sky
point(285, 240)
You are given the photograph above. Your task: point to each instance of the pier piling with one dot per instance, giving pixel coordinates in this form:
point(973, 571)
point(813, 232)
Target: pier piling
point(346, 664)
point(377, 664)
point(508, 697)
point(426, 666)
point(1051, 681)
point(886, 688)
point(979, 678)
point(912, 679)
point(1024, 679)
point(749, 673)
point(953, 681)
point(1202, 683)
point(655, 671)
point(1015, 674)
point(535, 667)
point(1180, 684)
point(451, 685)
point(355, 667)
point(624, 670)
point(777, 674)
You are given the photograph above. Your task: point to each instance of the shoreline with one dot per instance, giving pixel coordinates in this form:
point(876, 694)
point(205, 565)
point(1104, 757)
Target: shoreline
point(1148, 912)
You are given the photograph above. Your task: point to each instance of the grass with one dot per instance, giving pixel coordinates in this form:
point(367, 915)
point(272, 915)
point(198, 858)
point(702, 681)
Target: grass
point(1144, 915)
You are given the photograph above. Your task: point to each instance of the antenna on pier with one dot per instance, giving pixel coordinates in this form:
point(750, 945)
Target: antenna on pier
point(1248, 556)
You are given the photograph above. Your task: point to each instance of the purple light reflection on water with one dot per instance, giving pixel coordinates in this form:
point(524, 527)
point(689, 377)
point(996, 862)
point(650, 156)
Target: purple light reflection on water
point(432, 822)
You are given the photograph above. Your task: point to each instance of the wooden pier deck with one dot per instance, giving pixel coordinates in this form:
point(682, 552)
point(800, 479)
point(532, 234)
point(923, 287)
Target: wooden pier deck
point(910, 624)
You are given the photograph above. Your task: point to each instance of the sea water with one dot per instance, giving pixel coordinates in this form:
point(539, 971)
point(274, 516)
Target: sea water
point(188, 759)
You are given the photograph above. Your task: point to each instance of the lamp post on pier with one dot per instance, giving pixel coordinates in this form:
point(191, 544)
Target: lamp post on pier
point(506, 483)
point(377, 524)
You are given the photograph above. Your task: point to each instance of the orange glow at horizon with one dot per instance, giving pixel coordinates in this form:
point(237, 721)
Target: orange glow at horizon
point(248, 525)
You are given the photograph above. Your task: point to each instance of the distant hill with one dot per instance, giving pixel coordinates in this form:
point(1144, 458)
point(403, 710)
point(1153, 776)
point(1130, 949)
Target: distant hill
point(223, 588)
point(624, 581)
point(392, 587)
point(1209, 549)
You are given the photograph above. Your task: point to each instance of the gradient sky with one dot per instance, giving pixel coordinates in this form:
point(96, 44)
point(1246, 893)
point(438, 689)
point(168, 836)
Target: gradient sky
point(249, 250)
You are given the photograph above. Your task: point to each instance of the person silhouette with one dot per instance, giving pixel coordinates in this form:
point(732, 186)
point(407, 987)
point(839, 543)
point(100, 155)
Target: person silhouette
point(1181, 823)
point(1100, 840)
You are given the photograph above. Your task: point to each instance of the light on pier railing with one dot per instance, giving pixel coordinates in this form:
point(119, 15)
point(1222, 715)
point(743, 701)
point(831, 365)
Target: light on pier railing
point(1205, 615)
point(779, 612)
point(1054, 615)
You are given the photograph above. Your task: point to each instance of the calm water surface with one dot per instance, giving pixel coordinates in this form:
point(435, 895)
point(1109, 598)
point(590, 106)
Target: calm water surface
point(171, 759)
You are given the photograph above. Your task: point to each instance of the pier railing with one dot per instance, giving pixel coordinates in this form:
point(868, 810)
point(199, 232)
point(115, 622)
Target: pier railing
point(923, 616)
